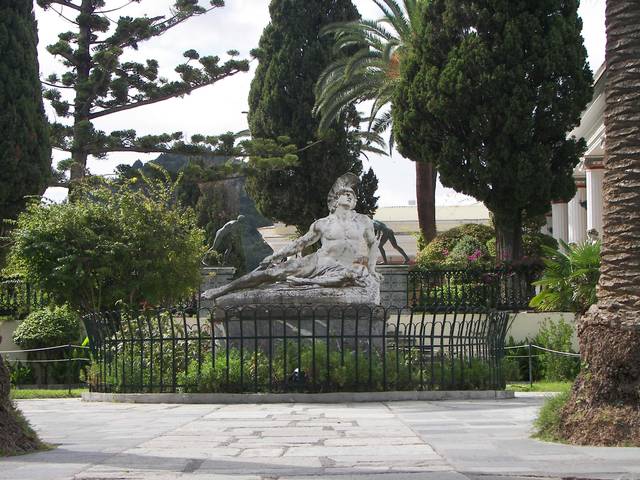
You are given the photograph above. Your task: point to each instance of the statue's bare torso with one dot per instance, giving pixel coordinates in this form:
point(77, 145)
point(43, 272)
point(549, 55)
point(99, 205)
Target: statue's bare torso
point(334, 264)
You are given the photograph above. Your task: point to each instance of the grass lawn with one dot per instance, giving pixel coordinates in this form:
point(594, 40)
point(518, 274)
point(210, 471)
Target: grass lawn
point(17, 394)
point(540, 387)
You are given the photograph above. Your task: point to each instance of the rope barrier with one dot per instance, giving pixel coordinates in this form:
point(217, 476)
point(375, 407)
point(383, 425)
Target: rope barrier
point(58, 347)
point(568, 354)
point(17, 360)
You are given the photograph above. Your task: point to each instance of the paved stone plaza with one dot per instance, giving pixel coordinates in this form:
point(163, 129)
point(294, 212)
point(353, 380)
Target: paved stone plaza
point(450, 440)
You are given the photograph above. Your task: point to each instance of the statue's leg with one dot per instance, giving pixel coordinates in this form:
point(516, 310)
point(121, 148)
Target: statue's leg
point(252, 279)
point(394, 244)
point(260, 277)
point(383, 240)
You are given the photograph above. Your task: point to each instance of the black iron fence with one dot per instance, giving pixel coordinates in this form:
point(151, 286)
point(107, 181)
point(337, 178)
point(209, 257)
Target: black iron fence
point(500, 288)
point(279, 349)
point(18, 297)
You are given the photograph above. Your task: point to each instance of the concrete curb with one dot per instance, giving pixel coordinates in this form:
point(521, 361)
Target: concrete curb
point(257, 398)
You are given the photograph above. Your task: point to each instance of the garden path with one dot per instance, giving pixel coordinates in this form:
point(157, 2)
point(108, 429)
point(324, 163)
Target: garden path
point(453, 440)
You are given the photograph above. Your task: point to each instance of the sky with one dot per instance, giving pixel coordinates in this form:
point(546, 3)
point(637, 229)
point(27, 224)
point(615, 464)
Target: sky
point(219, 108)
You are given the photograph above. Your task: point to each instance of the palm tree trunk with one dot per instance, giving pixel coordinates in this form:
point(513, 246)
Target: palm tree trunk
point(605, 400)
point(15, 435)
point(426, 176)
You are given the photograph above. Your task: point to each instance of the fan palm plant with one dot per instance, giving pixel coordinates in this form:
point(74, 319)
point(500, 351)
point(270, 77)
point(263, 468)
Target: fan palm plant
point(369, 70)
point(569, 279)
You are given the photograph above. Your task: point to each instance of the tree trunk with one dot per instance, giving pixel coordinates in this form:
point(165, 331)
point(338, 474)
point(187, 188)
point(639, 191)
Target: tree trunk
point(508, 236)
point(15, 435)
point(604, 404)
point(82, 102)
point(426, 175)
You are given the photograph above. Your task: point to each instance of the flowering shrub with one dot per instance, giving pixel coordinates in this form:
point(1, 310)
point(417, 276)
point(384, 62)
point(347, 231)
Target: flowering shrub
point(469, 251)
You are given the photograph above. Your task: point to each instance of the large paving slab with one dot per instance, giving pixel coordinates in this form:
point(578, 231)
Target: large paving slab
point(454, 440)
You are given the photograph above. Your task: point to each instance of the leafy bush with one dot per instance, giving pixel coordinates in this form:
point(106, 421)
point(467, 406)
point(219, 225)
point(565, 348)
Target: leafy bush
point(534, 244)
point(20, 374)
point(520, 356)
point(469, 251)
point(482, 233)
point(557, 336)
point(48, 327)
point(111, 243)
point(233, 371)
point(439, 249)
point(334, 371)
point(435, 253)
point(569, 279)
point(511, 370)
point(546, 366)
point(474, 294)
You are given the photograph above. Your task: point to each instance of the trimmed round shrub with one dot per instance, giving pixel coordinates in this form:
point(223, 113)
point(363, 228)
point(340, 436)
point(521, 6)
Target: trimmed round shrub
point(48, 327)
point(437, 252)
point(482, 233)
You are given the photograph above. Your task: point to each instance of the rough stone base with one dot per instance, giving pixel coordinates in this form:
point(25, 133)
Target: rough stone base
point(268, 326)
point(302, 296)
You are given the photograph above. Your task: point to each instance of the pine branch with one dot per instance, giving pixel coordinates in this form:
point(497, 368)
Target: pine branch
point(65, 3)
point(176, 89)
point(56, 85)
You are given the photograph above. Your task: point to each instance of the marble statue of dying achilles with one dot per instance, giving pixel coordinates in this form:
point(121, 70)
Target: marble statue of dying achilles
point(334, 264)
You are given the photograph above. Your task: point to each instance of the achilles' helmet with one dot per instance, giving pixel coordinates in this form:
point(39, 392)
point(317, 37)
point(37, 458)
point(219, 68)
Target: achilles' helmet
point(348, 181)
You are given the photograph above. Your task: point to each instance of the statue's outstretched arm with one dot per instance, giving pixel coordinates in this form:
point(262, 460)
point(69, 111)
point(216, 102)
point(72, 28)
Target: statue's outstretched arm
point(309, 238)
point(372, 244)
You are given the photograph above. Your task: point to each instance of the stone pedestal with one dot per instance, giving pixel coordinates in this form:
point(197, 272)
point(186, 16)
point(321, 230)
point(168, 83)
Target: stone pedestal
point(394, 286)
point(269, 327)
point(213, 277)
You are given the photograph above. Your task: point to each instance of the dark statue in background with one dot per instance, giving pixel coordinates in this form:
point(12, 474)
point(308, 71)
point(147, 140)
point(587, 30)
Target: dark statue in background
point(384, 234)
point(240, 239)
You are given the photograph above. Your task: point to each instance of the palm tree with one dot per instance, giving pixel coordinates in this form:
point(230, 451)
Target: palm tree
point(603, 407)
point(569, 278)
point(369, 70)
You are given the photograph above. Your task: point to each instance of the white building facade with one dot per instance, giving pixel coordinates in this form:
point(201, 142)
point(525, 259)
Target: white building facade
point(570, 221)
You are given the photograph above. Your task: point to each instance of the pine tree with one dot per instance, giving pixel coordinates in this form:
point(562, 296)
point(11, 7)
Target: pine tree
point(488, 93)
point(292, 55)
point(25, 153)
point(102, 84)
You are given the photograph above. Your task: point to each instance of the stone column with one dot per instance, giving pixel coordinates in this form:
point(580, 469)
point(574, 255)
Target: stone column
point(578, 214)
point(559, 212)
point(548, 226)
point(595, 174)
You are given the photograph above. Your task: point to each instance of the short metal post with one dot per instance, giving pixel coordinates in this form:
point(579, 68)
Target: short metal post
point(69, 369)
point(530, 368)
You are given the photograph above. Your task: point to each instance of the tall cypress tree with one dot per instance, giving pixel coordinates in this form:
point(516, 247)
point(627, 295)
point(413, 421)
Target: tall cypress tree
point(25, 152)
point(292, 55)
point(489, 92)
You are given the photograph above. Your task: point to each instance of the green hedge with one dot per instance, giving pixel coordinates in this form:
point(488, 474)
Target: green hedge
point(48, 327)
